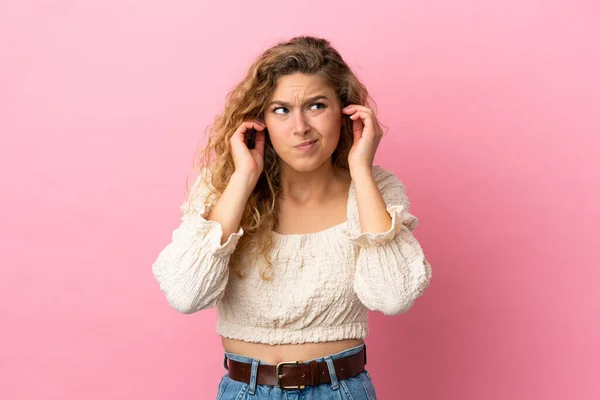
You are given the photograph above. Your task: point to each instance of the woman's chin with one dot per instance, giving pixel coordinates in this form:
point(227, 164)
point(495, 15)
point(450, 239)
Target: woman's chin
point(307, 165)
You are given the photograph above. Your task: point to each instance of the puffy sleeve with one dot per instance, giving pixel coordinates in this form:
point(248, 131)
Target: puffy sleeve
point(391, 269)
point(192, 270)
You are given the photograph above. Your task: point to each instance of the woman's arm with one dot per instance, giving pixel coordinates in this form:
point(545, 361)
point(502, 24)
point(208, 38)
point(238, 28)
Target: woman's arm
point(372, 212)
point(391, 270)
point(230, 207)
point(192, 270)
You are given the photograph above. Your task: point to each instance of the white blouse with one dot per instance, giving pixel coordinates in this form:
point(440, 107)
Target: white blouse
point(323, 283)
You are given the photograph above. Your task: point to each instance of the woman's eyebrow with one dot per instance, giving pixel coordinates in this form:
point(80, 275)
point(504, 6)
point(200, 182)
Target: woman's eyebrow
point(309, 100)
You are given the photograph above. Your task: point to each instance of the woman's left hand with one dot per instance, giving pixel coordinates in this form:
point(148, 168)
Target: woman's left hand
point(367, 135)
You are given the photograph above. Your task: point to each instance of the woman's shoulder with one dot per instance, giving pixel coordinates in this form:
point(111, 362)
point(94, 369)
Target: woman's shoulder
point(390, 186)
point(379, 170)
point(383, 176)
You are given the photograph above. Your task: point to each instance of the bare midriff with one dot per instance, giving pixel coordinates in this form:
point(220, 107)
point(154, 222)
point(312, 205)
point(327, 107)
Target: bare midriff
point(274, 354)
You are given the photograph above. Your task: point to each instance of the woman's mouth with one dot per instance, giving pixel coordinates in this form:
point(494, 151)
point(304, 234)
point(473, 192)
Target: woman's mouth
point(307, 145)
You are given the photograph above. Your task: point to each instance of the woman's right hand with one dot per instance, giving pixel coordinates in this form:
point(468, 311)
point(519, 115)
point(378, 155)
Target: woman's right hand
point(248, 162)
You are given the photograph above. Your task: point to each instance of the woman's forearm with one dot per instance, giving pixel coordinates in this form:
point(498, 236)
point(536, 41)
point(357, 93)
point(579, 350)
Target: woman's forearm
point(229, 208)
point(372, 212)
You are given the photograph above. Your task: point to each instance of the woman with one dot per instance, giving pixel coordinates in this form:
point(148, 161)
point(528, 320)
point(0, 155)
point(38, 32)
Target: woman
point(292, 233)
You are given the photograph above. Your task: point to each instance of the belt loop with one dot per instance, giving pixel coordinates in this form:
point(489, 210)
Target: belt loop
point(332, 374)
point(253, 376)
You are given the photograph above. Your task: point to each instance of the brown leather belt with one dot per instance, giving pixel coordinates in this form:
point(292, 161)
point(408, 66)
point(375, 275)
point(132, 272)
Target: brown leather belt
point(295, 374)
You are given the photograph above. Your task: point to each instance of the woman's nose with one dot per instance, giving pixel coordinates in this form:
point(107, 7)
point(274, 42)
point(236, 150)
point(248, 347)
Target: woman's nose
point(301, 125)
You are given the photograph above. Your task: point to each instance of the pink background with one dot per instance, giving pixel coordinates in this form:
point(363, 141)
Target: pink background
point(493, 109)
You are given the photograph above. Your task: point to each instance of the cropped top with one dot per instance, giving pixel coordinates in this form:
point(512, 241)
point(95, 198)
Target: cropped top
point(323, 283)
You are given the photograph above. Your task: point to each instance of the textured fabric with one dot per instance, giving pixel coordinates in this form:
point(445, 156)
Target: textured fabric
point(359, 387)
point(323, 285)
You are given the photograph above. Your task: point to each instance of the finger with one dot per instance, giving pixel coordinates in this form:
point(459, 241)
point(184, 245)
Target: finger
point(363, 117)
point(357, 130)
point(241, 133)
point(365, 113)
point(237, 136)
point(247, 125)
point(355, 107)
point(238, 142)
point(362, 113)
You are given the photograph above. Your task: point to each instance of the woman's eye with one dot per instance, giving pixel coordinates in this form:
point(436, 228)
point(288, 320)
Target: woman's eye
point(283, 110)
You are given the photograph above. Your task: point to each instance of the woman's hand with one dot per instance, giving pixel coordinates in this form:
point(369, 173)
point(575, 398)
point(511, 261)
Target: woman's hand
point(248, 162)
point(367, 135)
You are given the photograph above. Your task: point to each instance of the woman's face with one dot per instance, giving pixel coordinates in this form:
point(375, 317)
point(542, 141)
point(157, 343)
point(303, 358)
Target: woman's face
point(303, 108)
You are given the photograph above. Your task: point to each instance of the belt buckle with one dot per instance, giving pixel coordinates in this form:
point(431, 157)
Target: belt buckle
point(279, 376)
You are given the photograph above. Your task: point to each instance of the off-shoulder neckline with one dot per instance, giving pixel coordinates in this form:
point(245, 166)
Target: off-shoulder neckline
point(324, 232)
point(326, 237)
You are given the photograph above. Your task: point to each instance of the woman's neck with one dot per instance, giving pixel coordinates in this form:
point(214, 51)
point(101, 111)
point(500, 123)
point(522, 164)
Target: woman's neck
point(304, 187)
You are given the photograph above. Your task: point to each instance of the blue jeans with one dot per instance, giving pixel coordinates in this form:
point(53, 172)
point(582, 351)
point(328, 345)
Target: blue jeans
point(359, 387)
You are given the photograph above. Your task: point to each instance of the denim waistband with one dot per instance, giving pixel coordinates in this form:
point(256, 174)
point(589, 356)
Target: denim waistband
point(344, 353)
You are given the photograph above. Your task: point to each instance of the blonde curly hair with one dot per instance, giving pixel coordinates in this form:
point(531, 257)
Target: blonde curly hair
point(247, 101)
